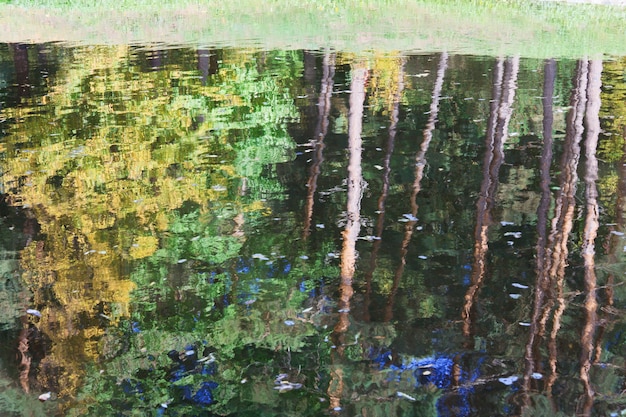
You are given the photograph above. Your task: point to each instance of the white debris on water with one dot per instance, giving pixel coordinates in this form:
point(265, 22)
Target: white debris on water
point(508, 380)
point(45, 397)
point(405, 396)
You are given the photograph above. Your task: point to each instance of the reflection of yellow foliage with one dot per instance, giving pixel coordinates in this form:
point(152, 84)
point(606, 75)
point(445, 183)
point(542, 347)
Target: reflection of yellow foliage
point(86, 293)
point(143, 247)
point(608, 185)
point(257, 206)
point(613, 109)
point(384, 81)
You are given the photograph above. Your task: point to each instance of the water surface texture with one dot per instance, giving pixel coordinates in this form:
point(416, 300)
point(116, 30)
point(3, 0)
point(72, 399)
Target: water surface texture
point(237, 232)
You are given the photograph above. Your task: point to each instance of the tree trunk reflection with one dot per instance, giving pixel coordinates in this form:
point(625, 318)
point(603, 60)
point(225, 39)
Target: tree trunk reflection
point(542, 282)
point(420, 163)
point(350, 233)
point(563, 218)
point(592, 124)
point(323, 106)
point(504, 85)
point(380, 204)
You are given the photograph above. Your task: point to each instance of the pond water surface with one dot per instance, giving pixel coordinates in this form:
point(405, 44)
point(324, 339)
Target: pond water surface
point(236, 232)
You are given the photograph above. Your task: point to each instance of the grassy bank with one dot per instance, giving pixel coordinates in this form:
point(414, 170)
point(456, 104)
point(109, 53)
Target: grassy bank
point(485, 27)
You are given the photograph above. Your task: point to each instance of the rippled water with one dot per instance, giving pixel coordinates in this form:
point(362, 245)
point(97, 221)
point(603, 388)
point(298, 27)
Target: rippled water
point(244, 232)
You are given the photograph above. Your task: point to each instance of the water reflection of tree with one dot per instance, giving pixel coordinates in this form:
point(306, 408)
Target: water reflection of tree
point(503, 94)
point(384, 193)
point(317, 143)
point(542, 280)
point(592, 125)
point(350, 233)
point(420, 164)
point(552, 251)
point(553, 275)
point(104, 189)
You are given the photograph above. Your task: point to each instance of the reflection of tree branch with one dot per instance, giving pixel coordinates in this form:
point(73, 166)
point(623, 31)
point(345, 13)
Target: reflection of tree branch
point(420, 163)
point(592, 124)
point(351, 231)
point(321, 129)
point(504, 85)
point(380, 221)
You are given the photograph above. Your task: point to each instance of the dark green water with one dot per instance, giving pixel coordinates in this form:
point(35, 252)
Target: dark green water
point(200, 232)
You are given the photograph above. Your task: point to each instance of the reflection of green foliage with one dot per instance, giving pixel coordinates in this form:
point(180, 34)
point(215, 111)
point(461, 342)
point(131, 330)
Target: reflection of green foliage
point(12, 296)
point(16, 403)
point(255, 153)
point(541, 407)
point(189, 238)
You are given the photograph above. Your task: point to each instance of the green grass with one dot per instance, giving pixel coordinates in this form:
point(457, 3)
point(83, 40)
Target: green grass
point(484, 27)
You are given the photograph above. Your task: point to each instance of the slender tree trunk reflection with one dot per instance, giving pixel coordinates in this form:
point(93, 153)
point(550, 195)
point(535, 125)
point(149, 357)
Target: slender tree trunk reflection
point(323, 105)
point(207, 64)
point(380, 205)
point(542, 282)
point(350, 233)
point(420, 163)
point(504, 85)
point(25, 359)
point(563, 217)
point(592, 124)
point(22, 68)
